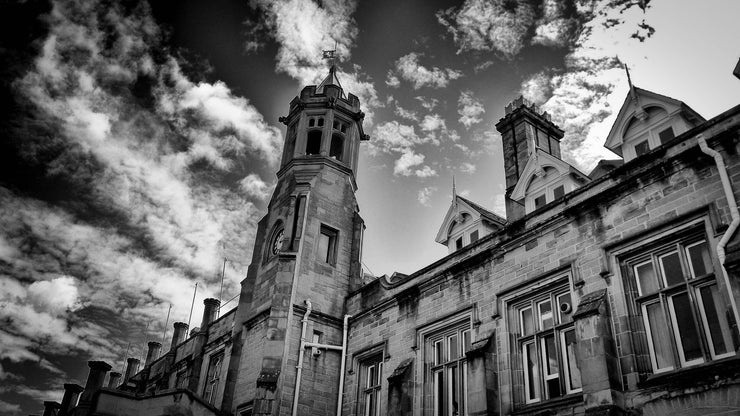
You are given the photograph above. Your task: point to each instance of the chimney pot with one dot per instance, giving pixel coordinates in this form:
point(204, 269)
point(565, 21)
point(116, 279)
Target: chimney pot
point(69, 400)
point(153, 352)
point(114, 379)
point(95, 379)
point(51, 408)
point(132, 365)
point(209, 312)
point(181, 329)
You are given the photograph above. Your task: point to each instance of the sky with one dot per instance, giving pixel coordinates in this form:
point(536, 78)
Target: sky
point(140, 141)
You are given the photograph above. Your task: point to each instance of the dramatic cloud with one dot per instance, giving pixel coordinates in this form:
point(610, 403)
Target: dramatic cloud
point(409, 69)
point(9, 408)
point(303, 29)
point(254, 186)
point(469, 109)
point(147, 159)
point(484, 25)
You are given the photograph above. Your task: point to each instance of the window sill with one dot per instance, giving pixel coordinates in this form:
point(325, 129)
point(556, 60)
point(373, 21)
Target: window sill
point(552, 404)
point(695, 375)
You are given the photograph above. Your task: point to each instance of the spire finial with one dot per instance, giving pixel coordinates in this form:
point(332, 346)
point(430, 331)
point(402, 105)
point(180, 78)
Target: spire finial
point(454, 192)
point(633, 94)
point(331, 56)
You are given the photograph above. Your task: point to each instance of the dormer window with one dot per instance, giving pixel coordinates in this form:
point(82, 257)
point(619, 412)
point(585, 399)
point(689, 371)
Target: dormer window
point(666, 135)
point(551, 192)
point(540, 201)
point(641, 148)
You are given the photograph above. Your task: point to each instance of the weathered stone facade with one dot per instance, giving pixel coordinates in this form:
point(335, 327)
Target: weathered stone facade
point(609, 297)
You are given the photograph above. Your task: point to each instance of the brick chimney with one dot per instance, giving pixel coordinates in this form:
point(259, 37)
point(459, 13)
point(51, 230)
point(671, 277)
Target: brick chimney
point(153, 352)
point(524, 128)
point(132, 366)
point(114, 379)
point(51, 408)
point(209, 312)
point(181, 329)
point(95, 379)
point(69, 400)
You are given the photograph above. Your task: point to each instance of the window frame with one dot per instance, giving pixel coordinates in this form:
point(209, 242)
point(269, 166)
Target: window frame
point(548, 191)
point(441, 377)
point(370, 394)
point(331, 253)
point(537, 330)
point(210, 387)
point(671, 354)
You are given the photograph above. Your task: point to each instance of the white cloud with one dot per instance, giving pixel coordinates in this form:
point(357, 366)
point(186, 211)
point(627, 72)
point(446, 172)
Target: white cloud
point(433, 122)
point(485, 25)
point(425, 194)
point(467, 167)
point(56, 296)
point(406, 162)
point(428, 103)
point(392, 80)
point(404, 113)
point(409, 69)
point(254, 186)
point(470, 109)
point(9, 408)
point(425, 172)
point(303, 29)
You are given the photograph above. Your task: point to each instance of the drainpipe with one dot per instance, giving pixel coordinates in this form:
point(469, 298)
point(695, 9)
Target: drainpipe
point(342, 367)
point(732, 203)
point(301, 349)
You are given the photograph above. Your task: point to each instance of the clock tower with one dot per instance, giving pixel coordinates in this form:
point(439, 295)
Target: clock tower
point(307, 247)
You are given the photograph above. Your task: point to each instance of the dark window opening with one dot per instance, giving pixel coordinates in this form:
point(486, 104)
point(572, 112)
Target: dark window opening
point(558, 192)
point(642, 148)
point(327, 245)
point(539, 201)
point(458, 243)
point(666, 135)
point(474, 236)
point(321, 121)
point(313, 144)
point(337, 147)
point(311, 122)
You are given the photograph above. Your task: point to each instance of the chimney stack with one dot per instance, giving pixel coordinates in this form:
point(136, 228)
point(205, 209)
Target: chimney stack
point(209, 312)
point(69, 401)
point(132, 365)
point(95, 379)
point(113, 381)
point(181, 328)
point(153, 352)
point(51, 408)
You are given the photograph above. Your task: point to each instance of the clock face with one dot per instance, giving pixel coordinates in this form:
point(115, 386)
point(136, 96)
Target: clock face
point(277, 243)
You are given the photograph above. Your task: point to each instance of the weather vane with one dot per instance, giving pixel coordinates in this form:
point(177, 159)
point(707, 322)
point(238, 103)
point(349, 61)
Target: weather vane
point(331, 55)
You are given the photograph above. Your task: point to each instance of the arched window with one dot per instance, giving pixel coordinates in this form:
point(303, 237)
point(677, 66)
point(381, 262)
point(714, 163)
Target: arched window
point(313, 144)
point(337, 147)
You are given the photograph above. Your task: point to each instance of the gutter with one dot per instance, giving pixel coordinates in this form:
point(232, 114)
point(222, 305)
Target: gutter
point(732, 203)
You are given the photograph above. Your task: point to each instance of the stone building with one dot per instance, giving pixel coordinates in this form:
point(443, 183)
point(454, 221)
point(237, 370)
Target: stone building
point(612, 293)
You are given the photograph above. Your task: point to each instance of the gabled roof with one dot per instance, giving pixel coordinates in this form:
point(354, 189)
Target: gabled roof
point(534, 167)
point(460, 204)
point(605, 166)
point(635, 103)
point(330, 79)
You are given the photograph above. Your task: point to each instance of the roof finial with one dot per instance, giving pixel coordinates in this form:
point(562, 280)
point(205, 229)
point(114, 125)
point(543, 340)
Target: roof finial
point(641, 114)
point(454, 192)
point(331, 56)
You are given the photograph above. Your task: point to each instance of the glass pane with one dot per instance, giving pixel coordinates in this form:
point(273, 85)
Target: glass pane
point(570, 362)
point(539, 201)
point(642, 148)
point(452, 391)
point(671, 265)
point(660, 337)
point(324, 247)
point(687, 333)
point(438, 393)
point(526, 324)
point(474, 236)
point(563, 299)
point(466, 341)
point(531, 372)
point(715, 319)
point(545, 309)
point(370, 404)
point(452, 347)
point(646, 281)
point(549, 356)
point(558, 192)
point(438, 353)
point(371, 376)
point(666, 135)
point(699, 259)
